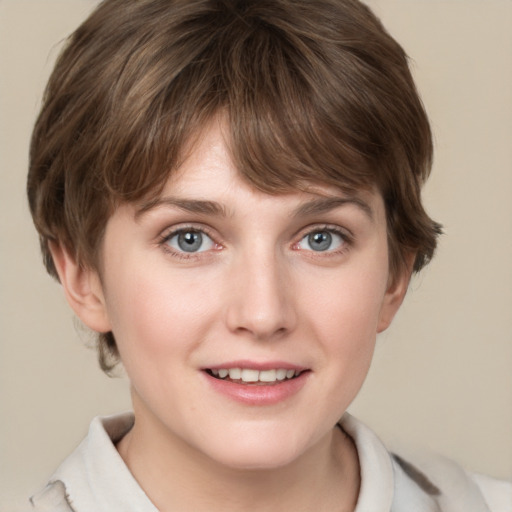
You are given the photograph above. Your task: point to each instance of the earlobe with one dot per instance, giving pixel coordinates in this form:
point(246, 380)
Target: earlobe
point(82, 288)
point(395, 295)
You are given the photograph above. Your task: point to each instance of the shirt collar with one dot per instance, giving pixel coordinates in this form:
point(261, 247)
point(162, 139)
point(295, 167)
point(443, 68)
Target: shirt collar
point(95, 475)
point(384, 484)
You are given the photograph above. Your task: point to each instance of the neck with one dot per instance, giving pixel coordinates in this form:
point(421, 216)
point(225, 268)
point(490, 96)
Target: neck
point(175, 476)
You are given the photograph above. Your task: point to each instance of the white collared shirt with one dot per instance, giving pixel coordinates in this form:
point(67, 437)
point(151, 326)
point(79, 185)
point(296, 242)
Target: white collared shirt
point(94, 478)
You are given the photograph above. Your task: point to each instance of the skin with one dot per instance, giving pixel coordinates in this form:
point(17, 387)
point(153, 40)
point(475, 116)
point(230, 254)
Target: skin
point(257, 290)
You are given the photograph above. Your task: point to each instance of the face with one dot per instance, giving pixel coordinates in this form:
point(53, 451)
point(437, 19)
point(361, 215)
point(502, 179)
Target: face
point(245, 322)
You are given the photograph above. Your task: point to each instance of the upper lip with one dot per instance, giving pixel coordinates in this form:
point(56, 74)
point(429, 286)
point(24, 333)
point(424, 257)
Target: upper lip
point(255, 365)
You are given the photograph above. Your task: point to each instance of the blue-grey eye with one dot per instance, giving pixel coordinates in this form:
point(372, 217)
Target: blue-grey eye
point(191, 241)
point(320, 241)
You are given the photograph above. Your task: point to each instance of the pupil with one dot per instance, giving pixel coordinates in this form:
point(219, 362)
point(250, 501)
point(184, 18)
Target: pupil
point(190, 241)
point(320, 241)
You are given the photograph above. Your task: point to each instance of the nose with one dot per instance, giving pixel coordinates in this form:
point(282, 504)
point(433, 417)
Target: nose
point(261, 303)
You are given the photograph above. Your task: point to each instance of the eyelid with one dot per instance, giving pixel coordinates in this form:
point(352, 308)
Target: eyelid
point(334, 228)
point(206, 243)
point(171, 231)
point(344, 233)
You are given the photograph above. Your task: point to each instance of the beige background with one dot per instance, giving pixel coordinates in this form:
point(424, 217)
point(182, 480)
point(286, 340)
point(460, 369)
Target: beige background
point(442, 374)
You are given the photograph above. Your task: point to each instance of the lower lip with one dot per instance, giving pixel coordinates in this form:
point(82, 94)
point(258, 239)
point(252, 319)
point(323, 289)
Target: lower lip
point(258, 394)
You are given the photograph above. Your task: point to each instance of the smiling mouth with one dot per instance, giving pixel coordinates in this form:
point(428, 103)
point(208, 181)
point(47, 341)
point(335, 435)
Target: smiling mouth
point(254, 377)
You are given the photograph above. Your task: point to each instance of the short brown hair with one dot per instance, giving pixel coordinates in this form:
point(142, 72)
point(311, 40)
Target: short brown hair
point(313, 91)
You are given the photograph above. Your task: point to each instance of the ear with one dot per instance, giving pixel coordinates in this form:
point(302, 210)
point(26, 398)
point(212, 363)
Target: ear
point(82, 288)
point(397, 288)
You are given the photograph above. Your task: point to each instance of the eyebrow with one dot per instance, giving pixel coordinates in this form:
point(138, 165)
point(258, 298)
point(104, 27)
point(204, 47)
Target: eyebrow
point(187, 205)
point(313, 207)
point(326, 204)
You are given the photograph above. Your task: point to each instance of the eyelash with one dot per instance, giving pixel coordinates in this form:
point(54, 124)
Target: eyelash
point(167, 236)
point(346, 237)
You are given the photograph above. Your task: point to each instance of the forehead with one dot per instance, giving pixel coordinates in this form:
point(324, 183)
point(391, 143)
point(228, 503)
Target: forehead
point(212, 149)
point(208, 181)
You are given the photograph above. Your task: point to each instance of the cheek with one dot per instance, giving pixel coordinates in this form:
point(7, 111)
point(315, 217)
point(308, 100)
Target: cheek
point(348, 330)
point(156, 312)
point(347, 305)
point(344, 316)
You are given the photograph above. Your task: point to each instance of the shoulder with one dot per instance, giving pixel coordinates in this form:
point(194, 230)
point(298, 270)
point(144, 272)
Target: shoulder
point(93, 477)
point(450, 486)
point(52, 498)
point(418, 482)
point(497, 493)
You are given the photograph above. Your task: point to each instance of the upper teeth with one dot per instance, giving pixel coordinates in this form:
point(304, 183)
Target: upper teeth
point(247, 375)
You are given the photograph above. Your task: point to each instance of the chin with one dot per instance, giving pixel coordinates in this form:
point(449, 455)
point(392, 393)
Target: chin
point(258, 460)
point(258, 452)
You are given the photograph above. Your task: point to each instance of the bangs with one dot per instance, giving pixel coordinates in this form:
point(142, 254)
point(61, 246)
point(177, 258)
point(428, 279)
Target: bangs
point(298, 109)
point(313, 92)
point(310, 92)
